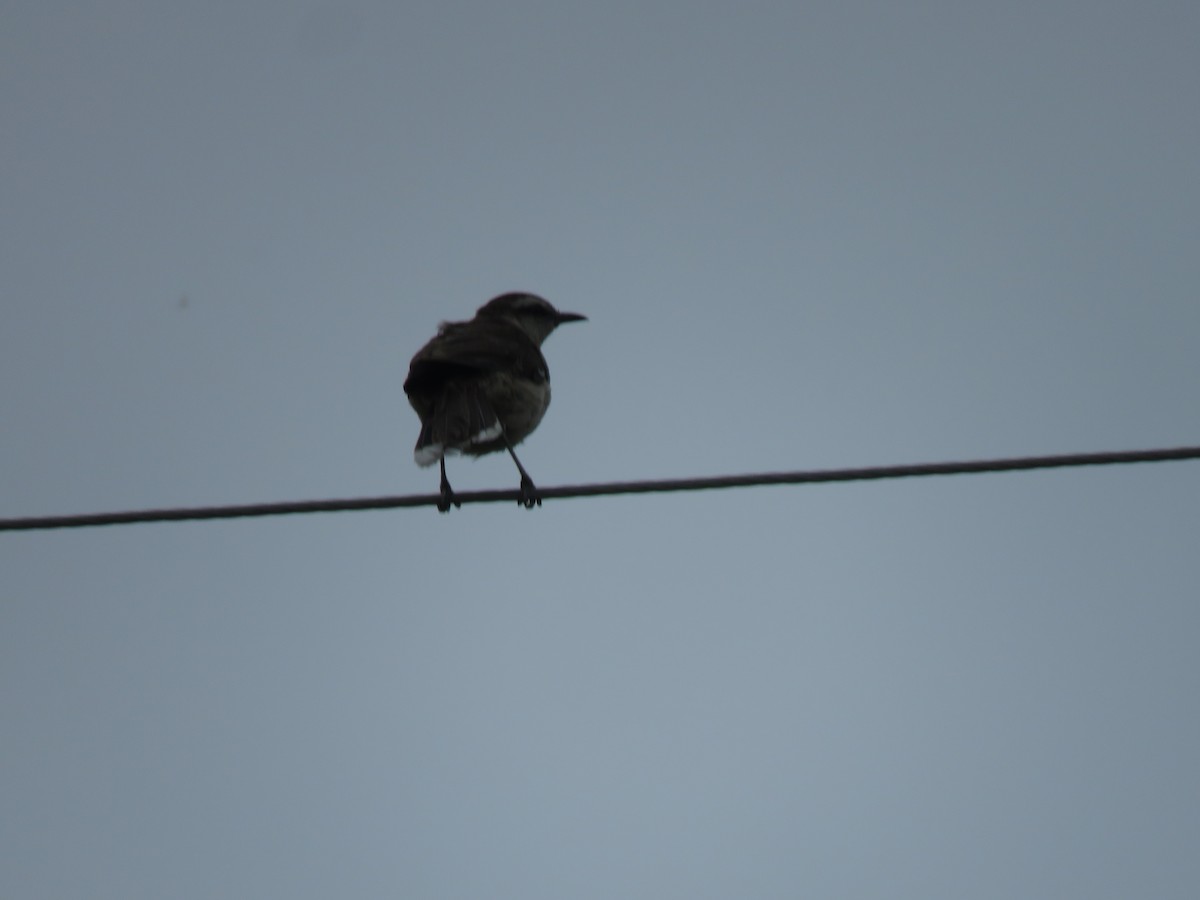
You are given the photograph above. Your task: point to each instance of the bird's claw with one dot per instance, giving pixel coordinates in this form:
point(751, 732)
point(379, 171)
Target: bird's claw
point(446, 498)
point(529, 497)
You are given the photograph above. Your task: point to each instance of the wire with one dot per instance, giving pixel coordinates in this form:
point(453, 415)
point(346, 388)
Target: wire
point(876, 473)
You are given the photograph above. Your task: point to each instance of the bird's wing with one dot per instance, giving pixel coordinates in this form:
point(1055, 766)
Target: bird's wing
point(467, 348)
point(463, 350)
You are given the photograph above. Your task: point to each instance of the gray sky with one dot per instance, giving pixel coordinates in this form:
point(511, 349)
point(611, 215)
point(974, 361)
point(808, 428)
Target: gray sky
point(806, 235)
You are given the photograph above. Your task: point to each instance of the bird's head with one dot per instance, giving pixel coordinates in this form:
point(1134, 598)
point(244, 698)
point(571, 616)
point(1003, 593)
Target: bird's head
point(529, 312)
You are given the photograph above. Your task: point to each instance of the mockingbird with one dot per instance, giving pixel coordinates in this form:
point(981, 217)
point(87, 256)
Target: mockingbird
point(483, 386)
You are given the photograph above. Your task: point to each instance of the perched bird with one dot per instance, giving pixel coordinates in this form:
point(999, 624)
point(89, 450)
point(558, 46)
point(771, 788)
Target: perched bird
point(483, 386)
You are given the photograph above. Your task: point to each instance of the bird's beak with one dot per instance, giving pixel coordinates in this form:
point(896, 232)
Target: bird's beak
point(570, 317)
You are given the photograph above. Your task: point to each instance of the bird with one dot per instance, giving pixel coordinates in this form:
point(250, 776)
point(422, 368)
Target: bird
point(483, 385)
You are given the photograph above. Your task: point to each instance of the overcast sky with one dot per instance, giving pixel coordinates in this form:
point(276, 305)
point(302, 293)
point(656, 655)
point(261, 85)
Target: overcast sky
point(806, 235)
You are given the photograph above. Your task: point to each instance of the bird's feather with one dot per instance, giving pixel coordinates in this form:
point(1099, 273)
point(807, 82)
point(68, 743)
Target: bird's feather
point(461, 418)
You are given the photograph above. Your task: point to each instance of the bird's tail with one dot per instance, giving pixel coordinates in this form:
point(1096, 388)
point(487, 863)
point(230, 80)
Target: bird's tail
point(461, 417)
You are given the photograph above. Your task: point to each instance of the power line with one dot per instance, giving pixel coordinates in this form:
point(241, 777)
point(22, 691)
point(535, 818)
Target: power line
point(875, 473)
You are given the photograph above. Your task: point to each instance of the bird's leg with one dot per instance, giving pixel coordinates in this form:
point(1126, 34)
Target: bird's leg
point(447, 491)
point(529, 493)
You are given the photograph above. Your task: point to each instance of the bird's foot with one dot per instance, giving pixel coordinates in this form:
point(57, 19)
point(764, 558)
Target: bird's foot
point(444, 502)
point(529, 497)
point(447, 497)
